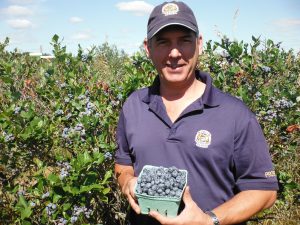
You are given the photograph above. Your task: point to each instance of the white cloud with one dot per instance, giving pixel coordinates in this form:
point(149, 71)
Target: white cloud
point(287, 22)
point(139, 8)
point(21, 1)
point(82, 36)
point(16, 10)
point(20, 23)
point(75, 19)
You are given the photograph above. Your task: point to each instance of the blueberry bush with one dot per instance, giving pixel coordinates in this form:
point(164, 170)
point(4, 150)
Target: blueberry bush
point(58, 120)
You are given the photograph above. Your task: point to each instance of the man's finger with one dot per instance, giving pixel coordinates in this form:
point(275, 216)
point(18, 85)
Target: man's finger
point(160, 218)
point(134, 205)
point(187, 195)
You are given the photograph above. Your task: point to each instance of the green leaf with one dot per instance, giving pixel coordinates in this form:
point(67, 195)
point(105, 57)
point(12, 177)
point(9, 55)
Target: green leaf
point(23, 207)
point(85, 158)
point(26, 115)
point(53, 178)
point(40, 124)
point(104, 145)
point(90, 178)
point(25, 222)
point(90, 187)
point(7, 79)
point(55, 38)
point(99, 157)
point(107, 175)
point(66, 206)
point(22, 201)
point(25, 213)
point(106, 191)
point(56, 197)
point(72, 190)
point(16, 95)
point(38, 162)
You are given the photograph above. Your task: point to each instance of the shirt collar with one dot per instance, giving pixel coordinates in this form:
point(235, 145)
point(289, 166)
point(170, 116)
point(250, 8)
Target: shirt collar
point(209, 97)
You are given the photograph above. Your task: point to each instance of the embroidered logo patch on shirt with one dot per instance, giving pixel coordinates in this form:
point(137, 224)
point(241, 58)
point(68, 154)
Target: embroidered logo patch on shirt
point(270, 173)
point(203, 138)
point(170, 9)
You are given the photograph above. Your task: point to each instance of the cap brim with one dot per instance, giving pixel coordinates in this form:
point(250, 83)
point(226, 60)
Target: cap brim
point(150, 35)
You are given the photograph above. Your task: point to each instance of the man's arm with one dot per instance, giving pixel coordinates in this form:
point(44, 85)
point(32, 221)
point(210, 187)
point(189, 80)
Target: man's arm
point(238, 209)
point(244, 205)
point(127, 180)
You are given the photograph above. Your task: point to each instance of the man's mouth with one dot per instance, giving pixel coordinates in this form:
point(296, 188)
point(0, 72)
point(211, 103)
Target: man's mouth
point(174, 66)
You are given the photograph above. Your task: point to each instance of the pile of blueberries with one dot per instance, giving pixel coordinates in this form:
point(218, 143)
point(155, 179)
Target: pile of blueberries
point(161, 181)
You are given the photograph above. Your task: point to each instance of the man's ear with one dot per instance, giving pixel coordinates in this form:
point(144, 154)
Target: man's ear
point(146, 47)
point(200, 44)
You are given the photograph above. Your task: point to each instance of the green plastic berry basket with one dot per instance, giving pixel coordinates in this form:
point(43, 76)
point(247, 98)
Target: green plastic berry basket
point(167, 206)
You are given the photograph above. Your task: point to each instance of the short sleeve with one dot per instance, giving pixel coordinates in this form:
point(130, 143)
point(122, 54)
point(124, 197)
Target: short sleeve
point(253, 166)
point(122, 155)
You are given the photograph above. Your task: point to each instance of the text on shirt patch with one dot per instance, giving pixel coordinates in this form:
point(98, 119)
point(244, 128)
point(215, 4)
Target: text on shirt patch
point(270, 173)
point(203, 138)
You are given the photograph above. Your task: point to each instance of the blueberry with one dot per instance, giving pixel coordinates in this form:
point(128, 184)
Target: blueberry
point(154, 187)
point(166, 182)
point(178, 193)
point(172, 193)
point(150, 192)
point(174, 173)
point(161, 185)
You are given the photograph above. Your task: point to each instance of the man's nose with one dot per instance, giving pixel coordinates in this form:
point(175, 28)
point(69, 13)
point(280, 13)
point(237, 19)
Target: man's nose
point(175, 52)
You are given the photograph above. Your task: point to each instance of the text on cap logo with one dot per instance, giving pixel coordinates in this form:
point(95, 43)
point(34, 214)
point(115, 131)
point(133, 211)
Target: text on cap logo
point(170, 9)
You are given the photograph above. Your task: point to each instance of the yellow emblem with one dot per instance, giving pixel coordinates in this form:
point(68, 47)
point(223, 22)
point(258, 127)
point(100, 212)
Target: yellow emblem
point(170, 9)
point(203, 138)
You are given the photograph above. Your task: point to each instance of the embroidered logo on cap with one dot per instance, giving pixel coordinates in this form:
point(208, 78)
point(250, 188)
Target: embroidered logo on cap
point(203, 138)
point(170, 9)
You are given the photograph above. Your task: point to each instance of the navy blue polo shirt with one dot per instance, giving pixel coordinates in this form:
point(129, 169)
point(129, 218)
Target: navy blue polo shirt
point(216, 138)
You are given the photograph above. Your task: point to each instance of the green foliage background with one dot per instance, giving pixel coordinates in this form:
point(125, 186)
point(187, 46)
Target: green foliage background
point(58, 120)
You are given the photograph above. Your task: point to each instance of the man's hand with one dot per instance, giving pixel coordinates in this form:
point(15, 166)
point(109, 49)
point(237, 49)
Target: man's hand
point(128, 191)
point(127, 181)
point(191, 215)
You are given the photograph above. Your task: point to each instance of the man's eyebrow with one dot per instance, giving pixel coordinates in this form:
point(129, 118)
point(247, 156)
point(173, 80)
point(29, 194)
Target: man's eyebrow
point(190, 35)
point(159, 38)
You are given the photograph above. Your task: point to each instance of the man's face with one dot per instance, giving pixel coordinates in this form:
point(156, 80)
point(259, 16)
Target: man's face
point(174, 52)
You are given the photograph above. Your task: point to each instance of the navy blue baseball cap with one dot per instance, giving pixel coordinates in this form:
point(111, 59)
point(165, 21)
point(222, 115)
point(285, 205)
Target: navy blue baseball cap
point(171, 13)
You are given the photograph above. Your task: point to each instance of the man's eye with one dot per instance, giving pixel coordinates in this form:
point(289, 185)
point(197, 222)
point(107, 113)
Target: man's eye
point(187, 40)
point(161, 42)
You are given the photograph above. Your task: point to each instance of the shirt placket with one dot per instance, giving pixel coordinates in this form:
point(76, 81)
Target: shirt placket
point(158, 108)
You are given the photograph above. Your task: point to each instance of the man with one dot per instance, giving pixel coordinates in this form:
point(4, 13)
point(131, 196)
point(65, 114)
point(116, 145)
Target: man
point(183, 121)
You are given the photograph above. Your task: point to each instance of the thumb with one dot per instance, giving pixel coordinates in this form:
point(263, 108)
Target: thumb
point(187, 198)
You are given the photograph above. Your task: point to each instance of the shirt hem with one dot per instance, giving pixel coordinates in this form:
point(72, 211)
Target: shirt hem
point(258, 186)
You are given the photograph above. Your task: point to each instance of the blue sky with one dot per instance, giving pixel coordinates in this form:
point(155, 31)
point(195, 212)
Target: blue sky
point(31, 23)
